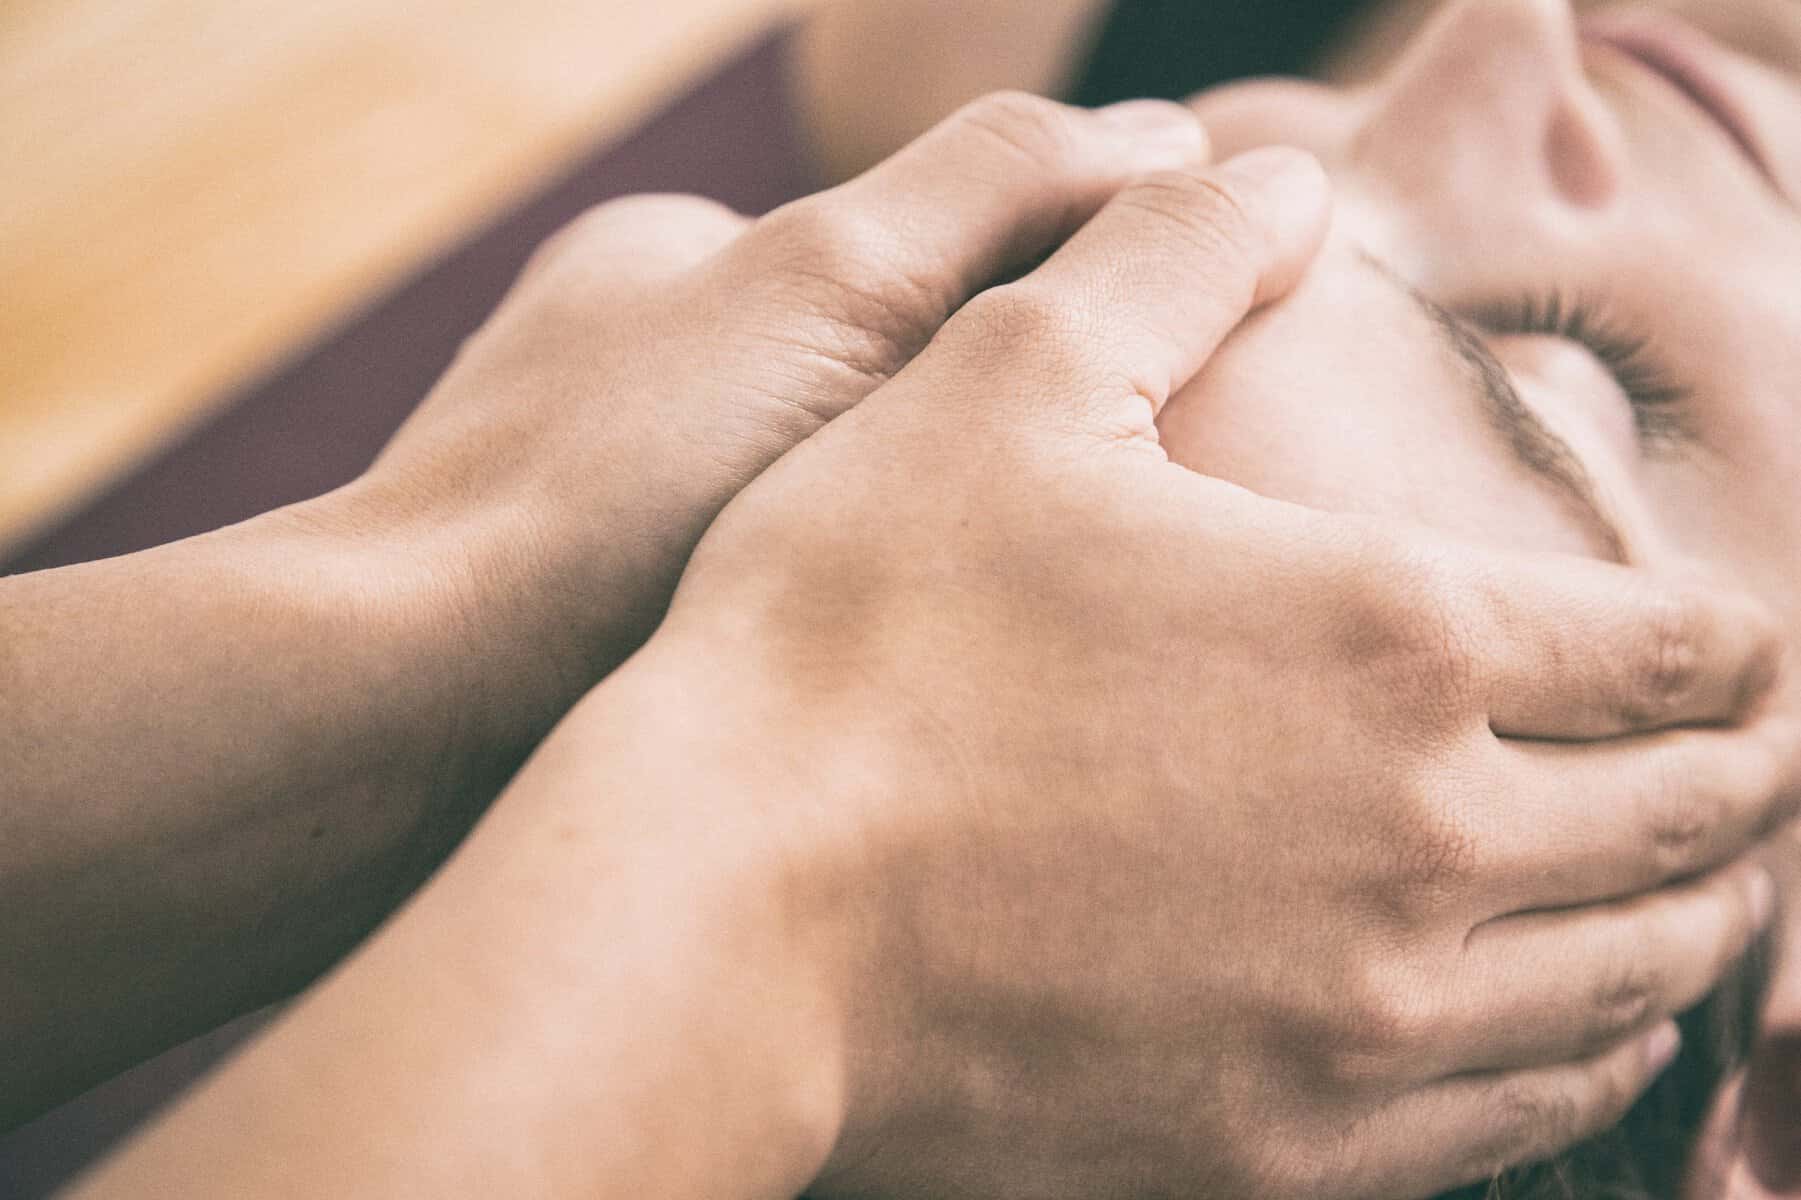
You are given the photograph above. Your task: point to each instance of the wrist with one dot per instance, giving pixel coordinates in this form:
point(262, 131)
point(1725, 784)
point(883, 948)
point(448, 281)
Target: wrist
point(627, 981)
point(448, 602)
point(673, 795)
point(569, 574)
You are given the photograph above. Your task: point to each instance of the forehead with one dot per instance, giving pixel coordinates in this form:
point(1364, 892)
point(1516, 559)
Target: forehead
point(1346, 397)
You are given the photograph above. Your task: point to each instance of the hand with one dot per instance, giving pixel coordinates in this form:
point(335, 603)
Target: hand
point(660, 352)
point(1194, 843)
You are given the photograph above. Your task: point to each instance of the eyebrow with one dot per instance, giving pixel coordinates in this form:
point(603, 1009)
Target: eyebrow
point(1534, 444)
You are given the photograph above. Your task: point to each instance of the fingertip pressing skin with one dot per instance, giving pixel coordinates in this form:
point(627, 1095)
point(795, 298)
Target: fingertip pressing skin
point(1296, 194)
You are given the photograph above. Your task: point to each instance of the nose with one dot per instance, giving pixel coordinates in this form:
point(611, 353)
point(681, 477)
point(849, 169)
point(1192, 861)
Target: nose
point(1491, 100)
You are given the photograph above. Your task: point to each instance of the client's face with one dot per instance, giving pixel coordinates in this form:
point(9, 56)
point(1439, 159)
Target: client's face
point(1631, 261)
point(1561, 308)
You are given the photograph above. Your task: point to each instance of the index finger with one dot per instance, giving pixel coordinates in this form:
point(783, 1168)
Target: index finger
point(1577, 650)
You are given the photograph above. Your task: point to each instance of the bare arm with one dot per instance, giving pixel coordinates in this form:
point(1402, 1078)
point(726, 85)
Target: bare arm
point(614, 989)
point(228, 758)
point(221, 762)
point(907, 857)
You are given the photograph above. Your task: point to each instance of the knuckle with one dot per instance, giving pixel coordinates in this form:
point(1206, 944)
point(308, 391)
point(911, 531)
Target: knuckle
point(1021, 315)
point(834, 261)
point(1384, 1018)
point(1668, 665)
point(599, 228)
point(1022, 126)
point(1529, 1120)
point(1684, 821)
point(1440, 859)
point(1625, 1000)
point(1405, 632)
point(1205, 212)
point(823, 237)
point(682, 228)
point(1431, 847)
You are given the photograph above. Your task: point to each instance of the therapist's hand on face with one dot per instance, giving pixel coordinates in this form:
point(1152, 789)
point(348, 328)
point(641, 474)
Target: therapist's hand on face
point(1180, 852)
point(1004, 810)
point(412, 636)
point(661, 351)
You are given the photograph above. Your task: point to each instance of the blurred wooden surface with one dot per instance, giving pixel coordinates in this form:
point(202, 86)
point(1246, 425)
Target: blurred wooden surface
point(192, 188)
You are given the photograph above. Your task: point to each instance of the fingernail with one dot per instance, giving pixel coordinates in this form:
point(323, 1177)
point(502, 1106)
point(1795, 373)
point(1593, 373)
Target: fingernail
point(1278, 167)
point(1157, 125)
point(1661, 1049)
point(1760, 894)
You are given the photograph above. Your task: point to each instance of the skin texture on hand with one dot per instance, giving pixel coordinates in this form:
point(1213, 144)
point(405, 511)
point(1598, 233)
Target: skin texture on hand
point(1005, 810)
point(621, 984)
point(1204, 851)
point(661, 352)
point(226, 760)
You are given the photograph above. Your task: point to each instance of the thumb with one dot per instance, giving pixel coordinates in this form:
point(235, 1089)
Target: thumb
point(1136, 303)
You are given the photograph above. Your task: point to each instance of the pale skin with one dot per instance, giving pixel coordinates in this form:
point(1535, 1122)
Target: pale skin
point(914, 850)
point(1519, 148)
point(227, 759)
point(1503, 152)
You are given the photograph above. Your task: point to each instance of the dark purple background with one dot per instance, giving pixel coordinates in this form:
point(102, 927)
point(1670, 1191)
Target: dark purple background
point(318, 421)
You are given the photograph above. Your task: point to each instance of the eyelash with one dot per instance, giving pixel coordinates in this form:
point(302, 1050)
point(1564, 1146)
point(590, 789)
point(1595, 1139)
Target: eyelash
point(1658, 399)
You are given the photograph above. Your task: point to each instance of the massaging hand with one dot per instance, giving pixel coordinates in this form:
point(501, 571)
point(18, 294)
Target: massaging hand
point(662, 351)
point(1194, 843)
point(356, 677)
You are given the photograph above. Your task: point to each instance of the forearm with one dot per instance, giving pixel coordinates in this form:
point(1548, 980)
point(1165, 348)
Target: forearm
point(612, 989)
point(227, 759)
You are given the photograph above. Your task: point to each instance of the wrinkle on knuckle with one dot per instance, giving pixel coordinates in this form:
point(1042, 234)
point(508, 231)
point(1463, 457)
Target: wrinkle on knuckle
point(836, 266)
point(1036, 132)
point(1200, 218)
point(1017, 316)
point(819, 238)
point(1625, 1000)
point(1405, 632)
point(1530, 1121)
point(1439, 863)
point(1685, 820)
point(1384, 1017)
point(1668, 665)
point(1432, 848)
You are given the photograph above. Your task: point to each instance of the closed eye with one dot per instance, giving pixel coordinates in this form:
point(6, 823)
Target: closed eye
point(1532, 443)
point(1660, 402)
